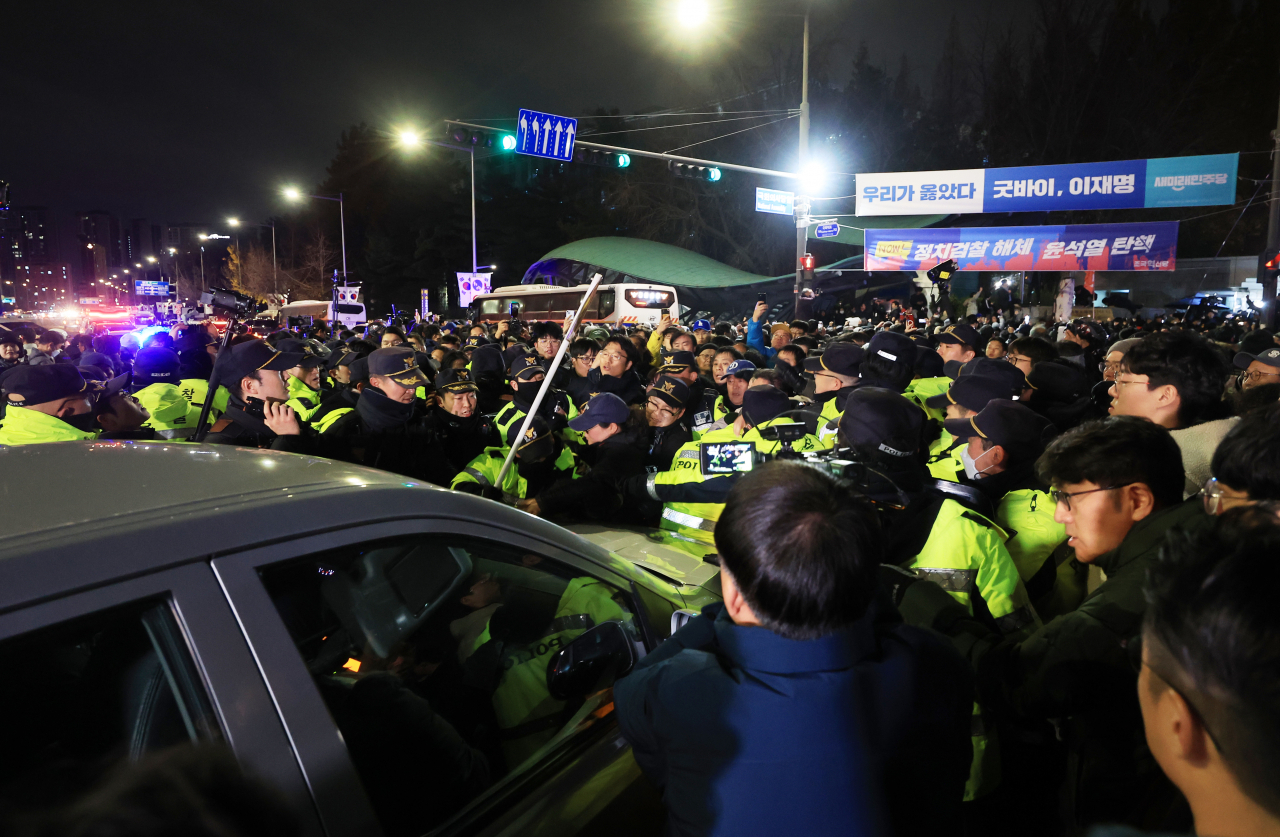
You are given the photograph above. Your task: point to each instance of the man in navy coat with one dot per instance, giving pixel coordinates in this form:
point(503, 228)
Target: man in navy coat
point(802, 704)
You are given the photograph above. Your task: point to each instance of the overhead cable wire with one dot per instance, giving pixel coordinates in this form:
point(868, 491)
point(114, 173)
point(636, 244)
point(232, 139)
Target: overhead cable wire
point(731, 133)
point(667, 127)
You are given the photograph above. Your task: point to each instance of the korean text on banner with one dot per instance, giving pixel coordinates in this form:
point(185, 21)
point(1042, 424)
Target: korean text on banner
point(470, 284)
point(1139, 246)
point(1207, 180)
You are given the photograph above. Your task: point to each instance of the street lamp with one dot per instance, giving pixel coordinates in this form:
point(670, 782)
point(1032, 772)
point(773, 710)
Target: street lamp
point(413, 140)
point(694, 13)
point(293, 194)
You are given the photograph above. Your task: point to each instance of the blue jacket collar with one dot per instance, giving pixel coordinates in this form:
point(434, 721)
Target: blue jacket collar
point(760, 649)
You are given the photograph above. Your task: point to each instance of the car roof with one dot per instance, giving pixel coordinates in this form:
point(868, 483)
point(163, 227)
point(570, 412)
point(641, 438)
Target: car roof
point(80, 514)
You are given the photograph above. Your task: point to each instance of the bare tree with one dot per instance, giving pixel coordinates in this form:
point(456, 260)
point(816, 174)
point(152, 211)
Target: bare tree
point(233, 269)
point(259, 277)
point(313, 269)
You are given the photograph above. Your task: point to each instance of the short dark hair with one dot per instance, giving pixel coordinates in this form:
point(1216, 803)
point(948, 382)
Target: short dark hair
point(451, 357)
point(797, 354)
point(1248, 457)
point(729, 350)
point(397, 331)
point(449, 340)
point(800, 324)
point(1114, 451)
point(1187, 361)
point(582, 345)
point(803, 548)
point(50, 338)
point(628, 348)
point(1036, 348)
point(1210, 632)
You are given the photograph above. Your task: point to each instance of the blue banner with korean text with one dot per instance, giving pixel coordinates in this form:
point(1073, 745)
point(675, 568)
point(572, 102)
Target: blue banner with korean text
point(1138, 246)
point(1207, 180)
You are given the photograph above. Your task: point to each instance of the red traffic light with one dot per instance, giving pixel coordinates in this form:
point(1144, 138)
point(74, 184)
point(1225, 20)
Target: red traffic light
point(806, 262)
point(1274, 263)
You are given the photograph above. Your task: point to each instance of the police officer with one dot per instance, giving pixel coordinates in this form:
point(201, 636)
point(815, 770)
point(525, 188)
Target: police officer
point(737, 379)
point(49, 403)
point(702, 398)
point(304, 379)
point(665, 409)
point(1000, 445)
point(197, 349)
point(119, 413)
point(969, 394)
point(343, 394)
point(960, 343)
point(155, 377)
point(929, 380)
point(889, 362)
point(541, 459)
point(256, 414)
point(934, 536)
point(459, 431)
point(694, 518)
point(835, 375)
point(527, 374)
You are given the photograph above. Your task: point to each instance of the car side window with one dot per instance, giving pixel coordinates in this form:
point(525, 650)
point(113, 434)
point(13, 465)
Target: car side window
point(431, 654)
point(84, 694)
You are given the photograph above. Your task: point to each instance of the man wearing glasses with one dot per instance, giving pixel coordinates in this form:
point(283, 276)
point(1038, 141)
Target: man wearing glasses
point(1117, 483)
point(1259, 369)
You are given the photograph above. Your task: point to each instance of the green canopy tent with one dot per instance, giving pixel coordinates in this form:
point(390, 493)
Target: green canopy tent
point(704, 283)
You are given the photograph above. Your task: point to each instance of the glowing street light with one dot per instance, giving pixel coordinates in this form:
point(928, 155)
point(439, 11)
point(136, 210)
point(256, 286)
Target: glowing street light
point(233, 222)
point(410, 138)
point(293, 194)
point(692, 13)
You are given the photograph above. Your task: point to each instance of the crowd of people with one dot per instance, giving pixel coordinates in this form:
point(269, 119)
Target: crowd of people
point(984, 573)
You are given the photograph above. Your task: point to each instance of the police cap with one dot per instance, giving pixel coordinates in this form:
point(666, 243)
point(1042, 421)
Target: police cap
point(455, 381)
point(963, 334)
point(840, 358)
point(883, 420)
point(25, 385)
point(670, 389)
point(1011, 425)
point(677, 361)
point(300, 347)
point(399, 364)
point(764, 402)
point(245, 358)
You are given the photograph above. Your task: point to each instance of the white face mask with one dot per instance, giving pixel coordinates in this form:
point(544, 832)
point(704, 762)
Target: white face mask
point(971, 465)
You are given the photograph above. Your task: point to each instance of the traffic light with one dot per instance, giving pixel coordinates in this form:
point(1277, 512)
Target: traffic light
point(606, 159)
point(806, 270)
point(710, 174)
point(481, 138)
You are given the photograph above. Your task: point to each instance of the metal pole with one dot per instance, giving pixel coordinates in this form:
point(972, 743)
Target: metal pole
point(202, 286)
point(473, 213)
point(275, 283)
point(546, 381)
point(1272, 241)
point(342, 227)
point(653, 155)
point(802, 218)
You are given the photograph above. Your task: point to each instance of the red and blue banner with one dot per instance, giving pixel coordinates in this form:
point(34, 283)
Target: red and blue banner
point(1140, 246)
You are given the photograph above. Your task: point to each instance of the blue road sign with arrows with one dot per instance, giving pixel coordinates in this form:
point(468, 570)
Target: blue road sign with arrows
point(545, 135)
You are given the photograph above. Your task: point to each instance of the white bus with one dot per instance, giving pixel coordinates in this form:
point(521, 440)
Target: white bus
point(625, 304)
point(349, 314)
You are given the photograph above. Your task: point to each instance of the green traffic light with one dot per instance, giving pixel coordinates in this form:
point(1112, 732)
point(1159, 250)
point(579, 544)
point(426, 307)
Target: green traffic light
point(713, 174)
point(624, 160)
point(508, 142)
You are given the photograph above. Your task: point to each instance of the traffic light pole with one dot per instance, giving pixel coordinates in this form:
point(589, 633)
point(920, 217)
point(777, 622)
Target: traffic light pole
point(1266, 276)
point(802, 210)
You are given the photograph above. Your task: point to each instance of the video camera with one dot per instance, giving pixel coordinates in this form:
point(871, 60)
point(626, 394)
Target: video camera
point(722, 459)
point(237, 304)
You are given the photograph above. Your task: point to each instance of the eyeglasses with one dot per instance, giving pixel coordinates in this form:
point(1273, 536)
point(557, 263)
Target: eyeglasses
point(1255, 376)
point(588, 358)
point(1063, 498)
point(1105, 367)
point(1215, 498)
point(614, 356)
point(661, 408)
point(1016, 358)
point(1119, 383)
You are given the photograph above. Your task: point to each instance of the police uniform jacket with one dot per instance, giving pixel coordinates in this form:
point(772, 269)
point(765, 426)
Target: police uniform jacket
point(629, 387)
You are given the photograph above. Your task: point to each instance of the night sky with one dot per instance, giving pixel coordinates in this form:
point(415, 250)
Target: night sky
point(180, 111)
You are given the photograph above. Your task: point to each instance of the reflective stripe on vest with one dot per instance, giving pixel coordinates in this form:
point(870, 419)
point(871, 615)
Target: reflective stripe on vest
point(479, 475)
point(953, 581)
point(688, 520)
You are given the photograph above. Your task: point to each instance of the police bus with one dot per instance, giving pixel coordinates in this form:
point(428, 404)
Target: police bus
point(622, 304)
point(348, 314)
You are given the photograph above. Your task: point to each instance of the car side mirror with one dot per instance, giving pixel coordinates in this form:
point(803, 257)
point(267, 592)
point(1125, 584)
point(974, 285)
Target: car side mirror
point(574, 670)
point(680, 618)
